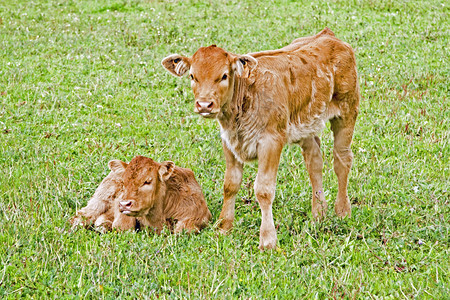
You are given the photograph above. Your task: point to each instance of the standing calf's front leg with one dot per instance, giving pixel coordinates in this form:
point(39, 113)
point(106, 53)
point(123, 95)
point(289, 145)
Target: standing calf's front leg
point(232, 182)
point(269, 153)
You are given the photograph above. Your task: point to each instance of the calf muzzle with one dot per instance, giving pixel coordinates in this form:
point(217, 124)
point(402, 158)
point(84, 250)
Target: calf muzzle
point(204, 108)
point(125, 206)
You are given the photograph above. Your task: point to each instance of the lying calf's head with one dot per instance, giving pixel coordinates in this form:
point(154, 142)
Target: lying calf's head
point(143, 183)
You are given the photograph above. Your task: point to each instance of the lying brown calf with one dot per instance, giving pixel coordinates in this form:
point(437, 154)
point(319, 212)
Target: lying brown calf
point(149, 192)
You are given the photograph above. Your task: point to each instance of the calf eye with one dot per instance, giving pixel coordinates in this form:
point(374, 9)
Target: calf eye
point(224, 77)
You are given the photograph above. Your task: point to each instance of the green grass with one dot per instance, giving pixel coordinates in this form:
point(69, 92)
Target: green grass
point(81, 84)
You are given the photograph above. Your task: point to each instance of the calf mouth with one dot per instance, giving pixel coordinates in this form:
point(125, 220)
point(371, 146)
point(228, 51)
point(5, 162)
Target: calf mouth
point(129, 212)
point(208, 115)
point(134, 213)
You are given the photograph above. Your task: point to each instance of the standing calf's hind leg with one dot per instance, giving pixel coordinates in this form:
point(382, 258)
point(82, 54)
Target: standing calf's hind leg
point(343, 158)
point(314, 164)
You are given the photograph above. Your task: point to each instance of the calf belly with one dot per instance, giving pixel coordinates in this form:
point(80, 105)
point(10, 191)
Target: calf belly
point(297, 131)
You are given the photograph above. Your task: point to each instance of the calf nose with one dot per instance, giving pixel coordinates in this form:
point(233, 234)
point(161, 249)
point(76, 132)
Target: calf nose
point(125, 205)
point(204, 107)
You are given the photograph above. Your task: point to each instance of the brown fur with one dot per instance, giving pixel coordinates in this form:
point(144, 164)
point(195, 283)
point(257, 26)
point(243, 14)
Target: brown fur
point(267, 99)
point(155, 194)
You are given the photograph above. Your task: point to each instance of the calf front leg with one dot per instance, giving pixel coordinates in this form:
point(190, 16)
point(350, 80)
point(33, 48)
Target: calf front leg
point(123, 222)
point(265, 183)
point(232, 182)
point(104, 222)
point(86, 216)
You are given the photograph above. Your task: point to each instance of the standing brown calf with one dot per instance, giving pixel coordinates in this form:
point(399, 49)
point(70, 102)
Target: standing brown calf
point(149, 192)
point(265, 100)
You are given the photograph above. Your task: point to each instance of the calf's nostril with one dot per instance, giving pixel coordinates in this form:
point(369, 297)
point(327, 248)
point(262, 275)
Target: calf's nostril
point(125, 204)
point(204, 105)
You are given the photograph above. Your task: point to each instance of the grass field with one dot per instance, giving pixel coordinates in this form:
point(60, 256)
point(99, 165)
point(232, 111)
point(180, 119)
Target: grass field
point(81, 84)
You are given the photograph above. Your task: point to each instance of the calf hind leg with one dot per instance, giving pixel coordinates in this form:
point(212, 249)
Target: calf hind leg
point(343, 158)
point(314, 164)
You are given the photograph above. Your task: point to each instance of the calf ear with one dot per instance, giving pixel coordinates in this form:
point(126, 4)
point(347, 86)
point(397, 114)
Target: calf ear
point(166, 170)
point(244, 64)
point(176, 64)
point(117, 166)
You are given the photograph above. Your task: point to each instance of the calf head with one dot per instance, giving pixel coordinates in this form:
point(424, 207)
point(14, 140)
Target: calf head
point(144, 184)
point(213, 72)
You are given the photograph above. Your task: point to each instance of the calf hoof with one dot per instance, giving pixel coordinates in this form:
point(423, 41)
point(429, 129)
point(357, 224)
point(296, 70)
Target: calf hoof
point(75, 221)
point(267, 240)
point(102, 229)
point(102, 224)
point(319, 206)
point(343, 209)
point(78, 221)
point(225, 226)
point(319, 212)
